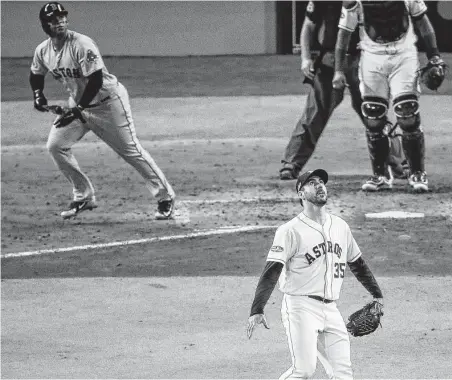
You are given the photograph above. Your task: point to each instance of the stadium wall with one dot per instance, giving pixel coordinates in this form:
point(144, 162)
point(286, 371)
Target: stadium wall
point(150, 28)
point(179, 28)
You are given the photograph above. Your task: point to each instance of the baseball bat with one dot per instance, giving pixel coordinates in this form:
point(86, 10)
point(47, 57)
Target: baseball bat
point(57, 110)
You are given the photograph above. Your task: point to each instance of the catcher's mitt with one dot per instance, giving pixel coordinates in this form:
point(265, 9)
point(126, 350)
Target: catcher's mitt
point(365, 320)
point(433, 74)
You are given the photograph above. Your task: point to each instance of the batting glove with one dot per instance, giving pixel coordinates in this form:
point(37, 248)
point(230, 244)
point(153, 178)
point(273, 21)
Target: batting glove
point(69, 116)
point(40, 101)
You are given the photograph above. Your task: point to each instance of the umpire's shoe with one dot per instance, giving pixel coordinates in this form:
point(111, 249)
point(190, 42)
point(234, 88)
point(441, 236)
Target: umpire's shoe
point(77, 207)
point(419, 182)
point(378, 183)
point(165, 208)
point(289, 172)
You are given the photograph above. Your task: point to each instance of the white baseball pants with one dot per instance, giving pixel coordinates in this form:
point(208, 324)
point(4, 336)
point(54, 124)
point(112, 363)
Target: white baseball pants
point(389, 75)
point(315, 330)
point(112, 122)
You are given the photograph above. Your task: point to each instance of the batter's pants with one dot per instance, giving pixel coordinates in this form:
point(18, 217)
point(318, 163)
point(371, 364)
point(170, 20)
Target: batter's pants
point(112, 122)
point(321, 101)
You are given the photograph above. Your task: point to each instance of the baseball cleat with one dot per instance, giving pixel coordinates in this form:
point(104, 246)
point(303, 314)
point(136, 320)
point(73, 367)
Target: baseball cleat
point(77, 207)
point(377, 183)
point(419, 182)
point(165, 209)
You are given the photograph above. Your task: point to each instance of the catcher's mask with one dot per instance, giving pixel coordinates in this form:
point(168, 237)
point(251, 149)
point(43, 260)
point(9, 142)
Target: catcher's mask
point(49, 12)
point(304, 177)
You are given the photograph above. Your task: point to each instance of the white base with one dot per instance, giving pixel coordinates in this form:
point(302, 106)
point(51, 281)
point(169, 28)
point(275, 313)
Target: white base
point(395, 215)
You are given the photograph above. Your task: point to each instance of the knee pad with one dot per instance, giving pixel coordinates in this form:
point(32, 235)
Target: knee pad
point(406, 109)
point(374, 111)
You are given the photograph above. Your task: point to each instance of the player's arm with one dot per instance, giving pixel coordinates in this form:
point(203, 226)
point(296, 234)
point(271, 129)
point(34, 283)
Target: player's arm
point(95, 81)
point(340, 52)
point(280, 252)
point(427, 33)
point(93, 86)
point(306, 37)
point(265, 286)
point(37, 86)
point(364, 275)
point(360, 269)
point(91, 64)
point(36, 79)
point(307, 65)
point(347, 25)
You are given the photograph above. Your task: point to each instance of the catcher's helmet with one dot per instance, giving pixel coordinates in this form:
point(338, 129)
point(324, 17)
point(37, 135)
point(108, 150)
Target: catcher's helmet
point(48, 12)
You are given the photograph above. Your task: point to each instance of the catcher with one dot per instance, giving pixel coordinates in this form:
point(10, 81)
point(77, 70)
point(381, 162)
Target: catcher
point(389, 71)
point(309, 256)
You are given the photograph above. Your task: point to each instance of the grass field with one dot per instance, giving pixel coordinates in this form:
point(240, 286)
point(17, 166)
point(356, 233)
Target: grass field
point(177, 307)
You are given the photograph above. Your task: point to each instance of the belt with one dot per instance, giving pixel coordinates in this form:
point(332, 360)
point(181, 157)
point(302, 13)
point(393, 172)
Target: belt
point(321, 299)
point(98, 103)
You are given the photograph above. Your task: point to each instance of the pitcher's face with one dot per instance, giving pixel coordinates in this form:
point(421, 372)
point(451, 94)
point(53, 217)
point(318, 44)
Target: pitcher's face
point(314, 191)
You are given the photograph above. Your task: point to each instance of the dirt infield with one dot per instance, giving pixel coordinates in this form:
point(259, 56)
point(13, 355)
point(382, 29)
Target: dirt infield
point(178, 308)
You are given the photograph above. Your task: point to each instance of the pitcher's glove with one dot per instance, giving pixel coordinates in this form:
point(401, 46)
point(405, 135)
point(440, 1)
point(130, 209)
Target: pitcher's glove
point(433, 74)
point(365, 320)
point(68, 116)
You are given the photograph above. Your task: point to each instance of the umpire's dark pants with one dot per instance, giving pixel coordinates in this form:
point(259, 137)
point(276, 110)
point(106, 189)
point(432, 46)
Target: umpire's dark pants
point(321, 101)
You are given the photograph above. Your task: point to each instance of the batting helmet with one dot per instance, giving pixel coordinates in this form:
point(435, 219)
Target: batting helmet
point(48, 12)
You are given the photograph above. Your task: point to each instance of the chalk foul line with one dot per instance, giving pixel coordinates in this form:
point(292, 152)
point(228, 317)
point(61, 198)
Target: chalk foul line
point(239, 200)
point(218, 231)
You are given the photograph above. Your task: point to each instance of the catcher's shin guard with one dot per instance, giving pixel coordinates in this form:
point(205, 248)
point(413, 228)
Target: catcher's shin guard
point(413, 142)
point(378, 145)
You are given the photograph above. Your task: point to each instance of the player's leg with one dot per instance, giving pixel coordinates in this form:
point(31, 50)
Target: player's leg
point(396, 158)
point(113, 123)
point(320, 104)
point(374, 88)
point(405, 92)
point(323, 357)
point(337, 343)
point(59, 144)
point(397, 161)
point(302, 318)
point(290, 169)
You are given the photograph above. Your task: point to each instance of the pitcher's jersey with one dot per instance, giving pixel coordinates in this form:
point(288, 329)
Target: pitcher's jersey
point(385, 27)
point(314, 256)
point(79, 58)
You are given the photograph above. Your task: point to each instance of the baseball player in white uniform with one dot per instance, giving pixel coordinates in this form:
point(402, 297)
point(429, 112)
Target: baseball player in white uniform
point(389, 69)
point(98, 102)
point(309, 256)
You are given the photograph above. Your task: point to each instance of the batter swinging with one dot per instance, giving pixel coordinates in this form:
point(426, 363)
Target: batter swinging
point(309, 257)
point(98, 103)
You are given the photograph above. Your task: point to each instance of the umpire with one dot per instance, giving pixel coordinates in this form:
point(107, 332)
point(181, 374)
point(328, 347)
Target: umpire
point(321, 22)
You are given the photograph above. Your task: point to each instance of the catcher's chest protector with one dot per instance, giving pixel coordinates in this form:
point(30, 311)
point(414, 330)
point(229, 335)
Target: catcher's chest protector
point(385, 21)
